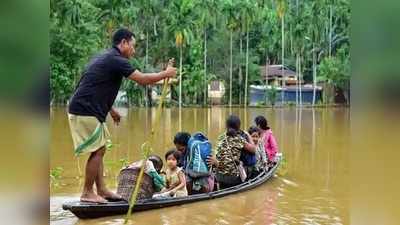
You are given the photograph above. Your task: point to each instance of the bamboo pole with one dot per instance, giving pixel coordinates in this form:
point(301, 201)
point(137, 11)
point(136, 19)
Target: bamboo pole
point(147, 149)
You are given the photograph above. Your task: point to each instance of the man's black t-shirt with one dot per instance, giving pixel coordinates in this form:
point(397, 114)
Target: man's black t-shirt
point(99, 85)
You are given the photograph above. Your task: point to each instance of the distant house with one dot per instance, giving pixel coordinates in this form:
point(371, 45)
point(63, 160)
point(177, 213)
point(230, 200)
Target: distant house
point(277, 74)
point(259, 94)
point(216, 90)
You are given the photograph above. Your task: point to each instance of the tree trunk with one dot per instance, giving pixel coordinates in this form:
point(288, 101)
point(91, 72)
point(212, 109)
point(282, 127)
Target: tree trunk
point(314, 76)
point(297, 80)
point(180, 77)
point(205, 67)
point(283, 61)
point(230, 76)
point(300, 79)
point(291, 40)
point(240, 70)
point(266, 77)
point(247, 65)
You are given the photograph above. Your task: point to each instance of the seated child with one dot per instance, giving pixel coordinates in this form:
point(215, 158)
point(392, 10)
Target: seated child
point(175, 178)
point(266, 136)
point(261, 157)
point(154, 173)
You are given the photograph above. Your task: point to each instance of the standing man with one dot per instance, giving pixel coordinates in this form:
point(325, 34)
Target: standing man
point(93, 100)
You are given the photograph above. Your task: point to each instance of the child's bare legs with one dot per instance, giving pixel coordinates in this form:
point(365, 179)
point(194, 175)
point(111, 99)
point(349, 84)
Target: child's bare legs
point(91, 172)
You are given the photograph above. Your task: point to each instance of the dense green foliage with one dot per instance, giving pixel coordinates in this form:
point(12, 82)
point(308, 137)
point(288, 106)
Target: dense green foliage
point(203, 32)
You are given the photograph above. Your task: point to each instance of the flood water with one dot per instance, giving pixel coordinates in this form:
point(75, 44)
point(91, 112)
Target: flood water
point(314, 189)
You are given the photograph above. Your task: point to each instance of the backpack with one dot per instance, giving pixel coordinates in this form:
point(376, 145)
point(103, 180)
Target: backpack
point(199, 149)
point(248, 159)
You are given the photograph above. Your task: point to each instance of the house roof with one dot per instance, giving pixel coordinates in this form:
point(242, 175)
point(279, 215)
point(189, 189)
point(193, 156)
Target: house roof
point(276, 71)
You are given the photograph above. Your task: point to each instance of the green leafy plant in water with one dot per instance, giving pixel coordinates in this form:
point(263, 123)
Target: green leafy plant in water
point(109, 145)
point(283, 167)
point(123, 162)
point(55, 175)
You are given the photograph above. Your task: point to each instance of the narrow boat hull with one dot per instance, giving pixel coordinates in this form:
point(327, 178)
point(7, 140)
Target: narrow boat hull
point(86, 210)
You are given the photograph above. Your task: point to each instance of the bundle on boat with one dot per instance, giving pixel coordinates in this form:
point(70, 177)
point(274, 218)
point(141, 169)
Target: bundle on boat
point(127, 181)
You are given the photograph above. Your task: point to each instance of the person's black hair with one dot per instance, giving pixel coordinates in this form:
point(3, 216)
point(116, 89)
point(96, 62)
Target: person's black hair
point(232, 125)
point(157, 162)
point(253, 129)
point(182, 138)
point(120, 34)
point(173, 152)
point(261, 122)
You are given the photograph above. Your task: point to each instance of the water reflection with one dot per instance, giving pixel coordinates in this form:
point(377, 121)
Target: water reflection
point(314, 142)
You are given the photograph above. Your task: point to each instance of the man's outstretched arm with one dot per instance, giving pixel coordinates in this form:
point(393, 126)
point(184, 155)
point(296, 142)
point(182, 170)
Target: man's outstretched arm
point(150, 78)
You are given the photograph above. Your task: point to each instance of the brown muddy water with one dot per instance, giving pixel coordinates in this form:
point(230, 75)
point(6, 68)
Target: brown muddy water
point(314, 190)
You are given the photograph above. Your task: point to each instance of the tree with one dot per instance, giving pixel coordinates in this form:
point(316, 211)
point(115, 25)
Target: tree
point(212, 39)
point(281, 7)
point(229, 9)
point(208, 10)
point(249, 15)
point(180, 23)
point(334, 71)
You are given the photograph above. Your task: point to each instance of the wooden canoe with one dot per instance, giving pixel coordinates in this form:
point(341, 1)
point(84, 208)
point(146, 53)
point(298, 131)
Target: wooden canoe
point(86, 210)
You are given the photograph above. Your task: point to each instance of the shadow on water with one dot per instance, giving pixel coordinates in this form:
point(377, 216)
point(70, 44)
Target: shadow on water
point(314, 189)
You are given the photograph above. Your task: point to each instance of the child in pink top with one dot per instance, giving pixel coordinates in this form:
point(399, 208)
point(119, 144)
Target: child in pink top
point(270, 145)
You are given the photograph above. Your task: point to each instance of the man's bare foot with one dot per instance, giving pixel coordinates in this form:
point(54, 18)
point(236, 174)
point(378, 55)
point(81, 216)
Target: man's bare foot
point(92, 197)
point(110, 195)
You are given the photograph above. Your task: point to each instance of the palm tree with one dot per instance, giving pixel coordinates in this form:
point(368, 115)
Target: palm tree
point(181, 23)
point(208, 16)
point(147, 17)
point(229, 10)
point(315, 33)
point(249, 9)
point(281, 14)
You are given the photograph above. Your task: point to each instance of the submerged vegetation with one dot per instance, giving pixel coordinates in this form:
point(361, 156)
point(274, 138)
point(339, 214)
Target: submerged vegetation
point(55, 176)
point(223, 40)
